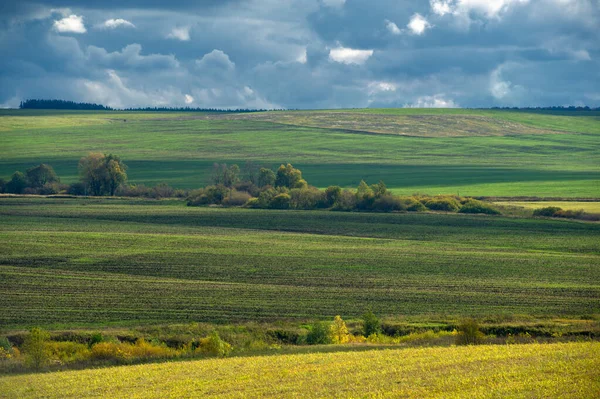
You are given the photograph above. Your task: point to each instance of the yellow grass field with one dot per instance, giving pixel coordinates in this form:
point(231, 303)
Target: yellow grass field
point(590, 207)
point(569, 370)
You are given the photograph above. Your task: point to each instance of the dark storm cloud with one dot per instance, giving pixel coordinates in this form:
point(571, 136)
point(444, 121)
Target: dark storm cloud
point(302, 53)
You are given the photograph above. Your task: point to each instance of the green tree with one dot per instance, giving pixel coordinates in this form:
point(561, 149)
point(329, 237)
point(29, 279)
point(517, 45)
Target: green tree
point(319, 334)
point(34, 347)
point(371, 324)
point(102, 174)
point(266, 177)
point(332, 194)
point(290, 177)
point(17, 183)
point(40, 175)
point(115, 173)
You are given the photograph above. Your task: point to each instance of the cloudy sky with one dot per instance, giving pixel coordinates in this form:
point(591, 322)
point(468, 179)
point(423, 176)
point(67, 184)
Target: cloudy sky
point(302, 53)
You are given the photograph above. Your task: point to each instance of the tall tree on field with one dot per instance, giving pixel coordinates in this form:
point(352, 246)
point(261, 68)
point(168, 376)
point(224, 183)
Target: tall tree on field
point(102, 174)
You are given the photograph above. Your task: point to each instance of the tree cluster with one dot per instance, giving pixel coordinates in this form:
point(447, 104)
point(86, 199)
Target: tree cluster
point(259, 187)
point(39, 179)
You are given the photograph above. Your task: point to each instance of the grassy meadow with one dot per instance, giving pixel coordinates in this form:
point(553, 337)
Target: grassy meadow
point(516, 371)
point(81, 262)
point(469, 152)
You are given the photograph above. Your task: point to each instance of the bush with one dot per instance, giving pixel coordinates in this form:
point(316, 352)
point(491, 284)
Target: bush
point(475, 206)
point(252, 203)
point(280, 201)
point(214, 346)
point(443, 204)
point(68, 351)
point(77, 189)
point(35, 347)
point(208, 195)
point(388, 203)
point(319, 334)
point(569, 214)
point(547, 211)
point(236, 198)
point(371, 324)
point(307, 198)
point(469, 333)
point(413, 205)
point(332, 193)
point(124, 352)
point(346, 201)
point(162, 190)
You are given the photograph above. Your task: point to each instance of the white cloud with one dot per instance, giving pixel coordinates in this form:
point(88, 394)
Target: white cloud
point(303, 57)
point(435, 101)
point(441, 7)
point(189, 99)
point(347, 55)
point(117, 23)
point(418, 24)
point(73, 23)
point(181, 33)
point(503, 89)
point(392, 27)
point(464, 8)
point(381, 87)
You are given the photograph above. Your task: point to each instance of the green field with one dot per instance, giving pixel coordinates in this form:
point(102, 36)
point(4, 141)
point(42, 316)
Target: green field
point(77, 262)
point(516, 371)
point(470, 152)
point(590, 207)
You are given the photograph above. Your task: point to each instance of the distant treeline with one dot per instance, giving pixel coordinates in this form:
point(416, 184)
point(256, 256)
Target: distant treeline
point(188, 109)
point(61, 104)
point(555, 108)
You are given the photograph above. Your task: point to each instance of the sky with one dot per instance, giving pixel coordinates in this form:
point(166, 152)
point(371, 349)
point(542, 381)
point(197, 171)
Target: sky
point(303, 54)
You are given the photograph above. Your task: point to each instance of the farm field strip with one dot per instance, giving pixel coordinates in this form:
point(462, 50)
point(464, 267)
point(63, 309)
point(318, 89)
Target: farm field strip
point(88, 261)
point(591, 207)
point(532, 370)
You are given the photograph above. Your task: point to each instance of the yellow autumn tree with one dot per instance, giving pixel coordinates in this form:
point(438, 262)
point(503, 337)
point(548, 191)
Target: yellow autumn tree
point(339, 331)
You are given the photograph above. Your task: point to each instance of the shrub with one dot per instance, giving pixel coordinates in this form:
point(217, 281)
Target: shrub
point(236, 198)
point(388, 203)
point(319, 334)
point(35, 347)
point(345, 202)
point(96, 338)
point(443, 204)
point(214, 346)
point(569, 214)
point(469, 333)
point(162, 190)
point(307, 198)
point(208, 195)
point(280, 201)
point(332, 193)
point(413, 205)
point(548, 211)
point(68, 351)
point(252, 203)
point(77, 189)
point(475, 206)
point(6, 349)
point(371, 324)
